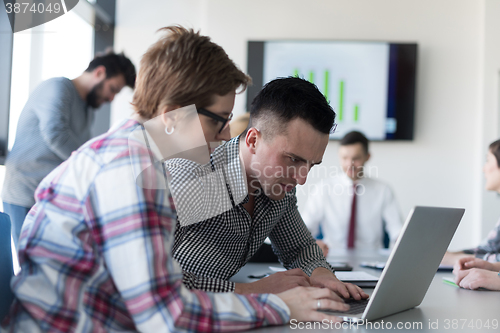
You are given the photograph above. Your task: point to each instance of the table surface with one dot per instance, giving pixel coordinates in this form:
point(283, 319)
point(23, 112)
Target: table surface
point(445, 308)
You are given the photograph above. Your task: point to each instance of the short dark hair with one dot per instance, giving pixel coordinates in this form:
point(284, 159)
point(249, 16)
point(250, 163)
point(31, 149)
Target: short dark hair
point(354, 137)
point(115, 64)
point(495, 150)
point(285, 99)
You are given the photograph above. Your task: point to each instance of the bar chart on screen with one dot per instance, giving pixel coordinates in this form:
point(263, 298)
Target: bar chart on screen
point(352, 76)
point(323, 84)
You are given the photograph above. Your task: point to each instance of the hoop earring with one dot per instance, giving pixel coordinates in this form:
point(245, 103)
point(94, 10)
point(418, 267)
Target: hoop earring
point(169, 132)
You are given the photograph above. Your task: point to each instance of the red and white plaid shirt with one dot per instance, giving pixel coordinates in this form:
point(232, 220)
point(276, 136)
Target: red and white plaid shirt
point(95, 253)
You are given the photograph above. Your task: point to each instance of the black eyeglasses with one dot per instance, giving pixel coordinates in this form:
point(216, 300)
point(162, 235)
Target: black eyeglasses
point(224, 121)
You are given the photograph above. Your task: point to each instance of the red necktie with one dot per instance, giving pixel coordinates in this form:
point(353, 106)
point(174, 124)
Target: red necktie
point(352, 221)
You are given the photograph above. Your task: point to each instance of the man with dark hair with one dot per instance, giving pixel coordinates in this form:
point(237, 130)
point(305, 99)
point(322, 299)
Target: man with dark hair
point(353, 210)
point(116, 65)
point(290, 122)
point(55, 121)
point(355, 137)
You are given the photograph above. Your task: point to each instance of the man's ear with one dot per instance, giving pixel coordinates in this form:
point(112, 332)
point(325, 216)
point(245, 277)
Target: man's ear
point(252, 139)
point(99, 73)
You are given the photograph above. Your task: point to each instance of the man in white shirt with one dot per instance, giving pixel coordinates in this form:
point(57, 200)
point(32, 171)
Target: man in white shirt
point(352, 210)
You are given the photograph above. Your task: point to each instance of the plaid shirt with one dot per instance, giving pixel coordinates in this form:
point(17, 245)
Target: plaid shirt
point(212, 251)
point(95, 255)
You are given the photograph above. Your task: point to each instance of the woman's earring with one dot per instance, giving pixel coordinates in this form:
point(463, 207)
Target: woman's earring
point(169, 132)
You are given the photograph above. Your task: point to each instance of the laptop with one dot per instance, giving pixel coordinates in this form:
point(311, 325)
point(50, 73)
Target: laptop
point(411, 266)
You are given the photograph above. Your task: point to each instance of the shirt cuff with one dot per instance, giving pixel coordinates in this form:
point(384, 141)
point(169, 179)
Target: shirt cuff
point(309, 268)
point(191, 281)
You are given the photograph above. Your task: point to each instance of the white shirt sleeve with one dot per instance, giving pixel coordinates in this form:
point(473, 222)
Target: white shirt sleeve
point(313, 214)
point(391, 216)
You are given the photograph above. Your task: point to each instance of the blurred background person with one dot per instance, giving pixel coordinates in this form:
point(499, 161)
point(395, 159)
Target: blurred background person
point(475, 273)
point(489, 249)
point(55, 121)
point(353, 210)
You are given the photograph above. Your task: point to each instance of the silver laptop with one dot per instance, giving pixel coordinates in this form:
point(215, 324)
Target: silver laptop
point(412, 263)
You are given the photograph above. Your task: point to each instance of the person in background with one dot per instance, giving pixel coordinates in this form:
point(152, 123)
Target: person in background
point(96, 247)
point(474, 273)
point(55, 121)
point(353, 210)
point(489, 249)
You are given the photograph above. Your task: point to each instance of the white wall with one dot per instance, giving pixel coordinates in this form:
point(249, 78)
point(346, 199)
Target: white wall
point(457, 90)
point(136, 26)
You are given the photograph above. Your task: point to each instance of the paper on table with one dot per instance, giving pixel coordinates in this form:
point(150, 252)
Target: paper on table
point(450, 281)
point(277, 269)
point(342, 276)
point(385, 252)
point(355, 276)
point(375, 264)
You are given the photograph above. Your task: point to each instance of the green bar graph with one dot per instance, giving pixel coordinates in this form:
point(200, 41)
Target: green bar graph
point(341, 100)
point(325, 90)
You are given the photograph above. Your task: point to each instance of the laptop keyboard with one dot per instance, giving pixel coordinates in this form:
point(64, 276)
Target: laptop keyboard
point(356, 306)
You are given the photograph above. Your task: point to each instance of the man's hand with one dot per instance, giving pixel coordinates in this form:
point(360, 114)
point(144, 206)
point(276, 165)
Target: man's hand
point(477, 278)
point(323, 247)
point(322, 277)
point(275, 283)
point(304, 303)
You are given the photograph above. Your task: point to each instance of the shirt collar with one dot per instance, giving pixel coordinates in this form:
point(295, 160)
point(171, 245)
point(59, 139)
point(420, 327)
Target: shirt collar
point(348, 181)
point(236, 175)
point(225, 158)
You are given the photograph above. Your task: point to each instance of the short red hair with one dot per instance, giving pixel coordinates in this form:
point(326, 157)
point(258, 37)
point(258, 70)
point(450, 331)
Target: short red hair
point(184, 68)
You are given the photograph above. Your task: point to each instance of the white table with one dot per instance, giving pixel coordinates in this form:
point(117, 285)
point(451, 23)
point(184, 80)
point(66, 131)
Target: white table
point(444, 309)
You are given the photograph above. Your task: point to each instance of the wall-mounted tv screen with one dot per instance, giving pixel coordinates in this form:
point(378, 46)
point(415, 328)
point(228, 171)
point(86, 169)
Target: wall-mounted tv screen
point(370, 85)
